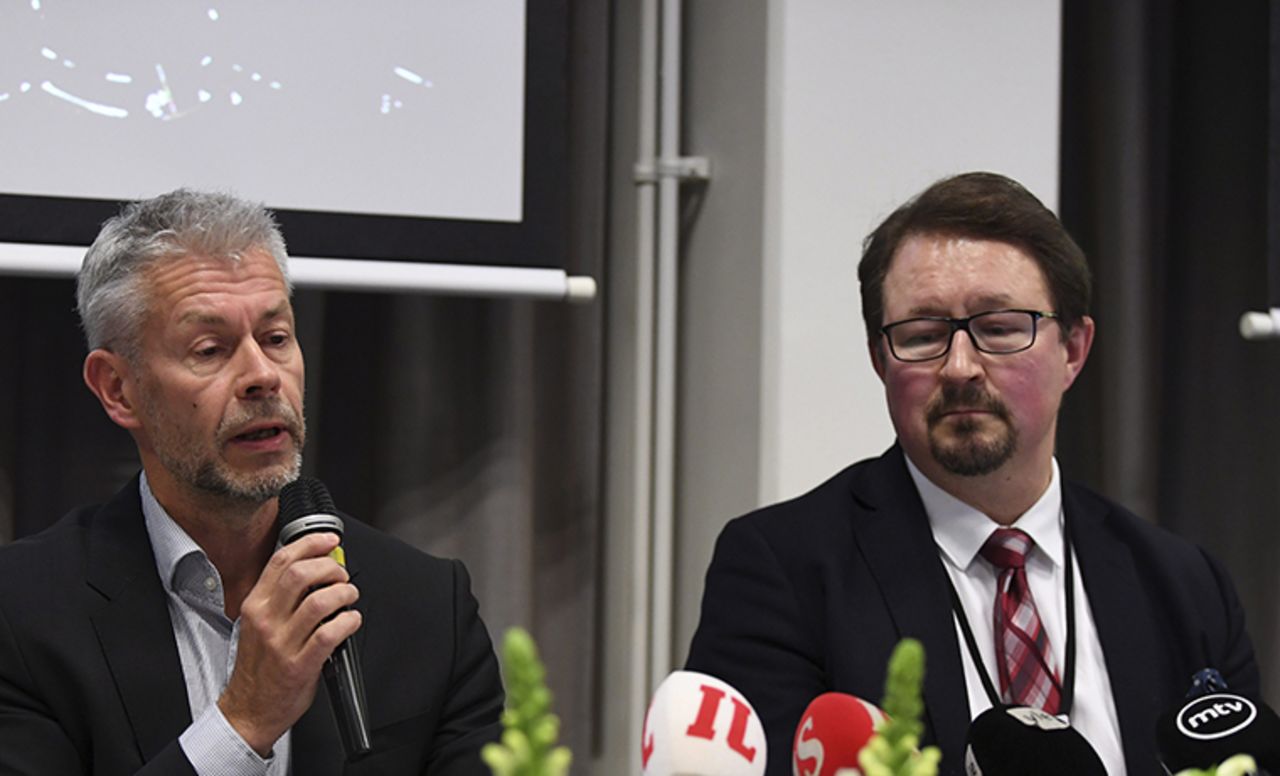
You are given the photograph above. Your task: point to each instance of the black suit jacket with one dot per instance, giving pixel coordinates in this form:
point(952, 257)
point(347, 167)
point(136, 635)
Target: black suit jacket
point(91, 681)
point(811, 596)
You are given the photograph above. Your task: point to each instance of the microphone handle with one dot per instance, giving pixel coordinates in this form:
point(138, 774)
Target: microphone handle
point(343, 676)
point(344, 680)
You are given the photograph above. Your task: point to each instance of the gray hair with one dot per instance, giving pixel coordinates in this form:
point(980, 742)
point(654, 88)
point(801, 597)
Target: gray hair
point(110, 295)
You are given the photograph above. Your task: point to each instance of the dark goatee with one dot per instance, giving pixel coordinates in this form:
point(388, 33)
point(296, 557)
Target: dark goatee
point(968, 453)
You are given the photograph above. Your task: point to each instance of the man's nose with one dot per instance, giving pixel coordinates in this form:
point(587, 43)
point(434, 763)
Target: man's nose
point(259, 375)
point(963, 361)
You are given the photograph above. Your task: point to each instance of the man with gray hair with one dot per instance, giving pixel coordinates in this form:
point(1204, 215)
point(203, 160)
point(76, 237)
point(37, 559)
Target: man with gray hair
point(165, 631)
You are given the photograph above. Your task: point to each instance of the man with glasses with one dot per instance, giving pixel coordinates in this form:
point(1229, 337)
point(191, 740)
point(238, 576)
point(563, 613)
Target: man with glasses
point(1024, 588)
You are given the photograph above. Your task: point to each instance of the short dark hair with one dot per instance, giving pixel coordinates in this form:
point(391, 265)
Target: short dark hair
point(984, 206)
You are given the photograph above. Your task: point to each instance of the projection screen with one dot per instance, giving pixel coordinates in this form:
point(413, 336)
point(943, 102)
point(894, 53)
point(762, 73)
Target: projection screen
point(397, 130)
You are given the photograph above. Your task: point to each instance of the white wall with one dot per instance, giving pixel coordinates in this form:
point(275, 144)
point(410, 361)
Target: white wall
point(869, 102)
point(819, 117)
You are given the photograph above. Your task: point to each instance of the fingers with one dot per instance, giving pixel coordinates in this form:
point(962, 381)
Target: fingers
point(300, 588)
point(302, 577)
point(315, 546)
point(324, 613)
point(290, 622)
point(326, 638)
point(297, 569)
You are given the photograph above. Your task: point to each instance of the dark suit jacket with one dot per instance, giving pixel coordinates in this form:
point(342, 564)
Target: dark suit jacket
point(91, 681)
point(811, 596)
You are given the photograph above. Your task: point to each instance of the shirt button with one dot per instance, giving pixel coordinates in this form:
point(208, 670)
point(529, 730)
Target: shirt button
point(210, 584)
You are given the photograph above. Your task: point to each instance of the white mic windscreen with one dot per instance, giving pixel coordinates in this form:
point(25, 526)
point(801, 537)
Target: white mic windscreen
point(698, 725)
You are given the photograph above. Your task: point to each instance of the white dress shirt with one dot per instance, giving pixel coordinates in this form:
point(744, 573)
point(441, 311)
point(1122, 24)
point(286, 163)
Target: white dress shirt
point(207, 641)
point(960, 531)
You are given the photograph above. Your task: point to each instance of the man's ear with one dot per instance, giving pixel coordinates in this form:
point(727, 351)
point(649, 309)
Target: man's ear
point(109, 377)
point(1079, 343)
point(875, 346)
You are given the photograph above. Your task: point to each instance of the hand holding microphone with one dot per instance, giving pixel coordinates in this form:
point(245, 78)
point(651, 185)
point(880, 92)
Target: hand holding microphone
point(293, 620)
point(306, 509)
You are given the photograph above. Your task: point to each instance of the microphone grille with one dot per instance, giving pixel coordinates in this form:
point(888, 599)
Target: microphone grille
point(303, 497)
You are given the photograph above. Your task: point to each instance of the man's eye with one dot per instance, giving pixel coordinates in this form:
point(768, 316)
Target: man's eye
point(1000, 329)
point(923, 338)
point(278, 338)
point(207, 351)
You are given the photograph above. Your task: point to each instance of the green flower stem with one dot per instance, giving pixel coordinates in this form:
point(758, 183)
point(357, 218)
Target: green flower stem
point(893, 750)
point(530, 730)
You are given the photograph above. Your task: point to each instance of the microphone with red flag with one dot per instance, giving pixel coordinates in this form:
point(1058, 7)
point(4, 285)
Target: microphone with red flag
point(831, 733)
point(698, 725)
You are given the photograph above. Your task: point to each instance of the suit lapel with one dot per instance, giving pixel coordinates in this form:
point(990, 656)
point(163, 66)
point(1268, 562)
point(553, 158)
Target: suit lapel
point(133, 624)
point(900, 552)
point(314, 743)
point(1125, 629)
point(135, 612)
point(893, 532)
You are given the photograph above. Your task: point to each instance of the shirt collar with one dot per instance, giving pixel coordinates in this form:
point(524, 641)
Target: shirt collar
point(960, 530)
point(169, 542)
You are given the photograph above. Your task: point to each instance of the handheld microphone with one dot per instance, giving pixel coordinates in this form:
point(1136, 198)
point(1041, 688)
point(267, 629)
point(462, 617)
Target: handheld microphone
point(831, 733)
point(306, 508)
point(1022, 741)
point(1210, 728)
point(698, 725)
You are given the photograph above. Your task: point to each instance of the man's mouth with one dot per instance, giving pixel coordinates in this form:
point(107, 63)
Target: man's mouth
point(975, 408)
point(258, 434)
point(266, 428)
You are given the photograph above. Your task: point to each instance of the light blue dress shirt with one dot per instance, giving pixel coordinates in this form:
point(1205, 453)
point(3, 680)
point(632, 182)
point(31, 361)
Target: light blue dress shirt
point(207, 641)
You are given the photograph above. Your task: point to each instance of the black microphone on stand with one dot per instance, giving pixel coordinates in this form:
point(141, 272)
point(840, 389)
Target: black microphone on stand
point(307, 508)
point(1023, 741)
point(1213, 724)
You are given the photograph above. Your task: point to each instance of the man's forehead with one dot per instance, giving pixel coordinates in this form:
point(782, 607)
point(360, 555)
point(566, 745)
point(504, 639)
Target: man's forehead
point(930, 271)
point(196, 288)
point(212, 314)
point(940, 305)
point(945, 248)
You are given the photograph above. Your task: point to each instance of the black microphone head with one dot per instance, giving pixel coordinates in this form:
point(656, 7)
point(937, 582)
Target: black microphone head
point(1209, 729)
point(306, 507)
point(1022, 741)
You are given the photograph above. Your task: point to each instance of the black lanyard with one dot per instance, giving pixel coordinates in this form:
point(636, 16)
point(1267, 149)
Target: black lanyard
point(1069, 662)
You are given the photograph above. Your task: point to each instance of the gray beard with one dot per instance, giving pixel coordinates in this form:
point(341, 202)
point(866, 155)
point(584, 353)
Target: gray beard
point(208, 477)
point(256, 490)
point(207, 474)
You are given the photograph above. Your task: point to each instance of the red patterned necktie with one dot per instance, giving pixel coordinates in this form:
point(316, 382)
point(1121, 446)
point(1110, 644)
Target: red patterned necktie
point(1023, 658)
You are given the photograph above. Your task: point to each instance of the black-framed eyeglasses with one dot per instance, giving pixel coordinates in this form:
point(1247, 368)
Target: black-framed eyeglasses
point(998, 331)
